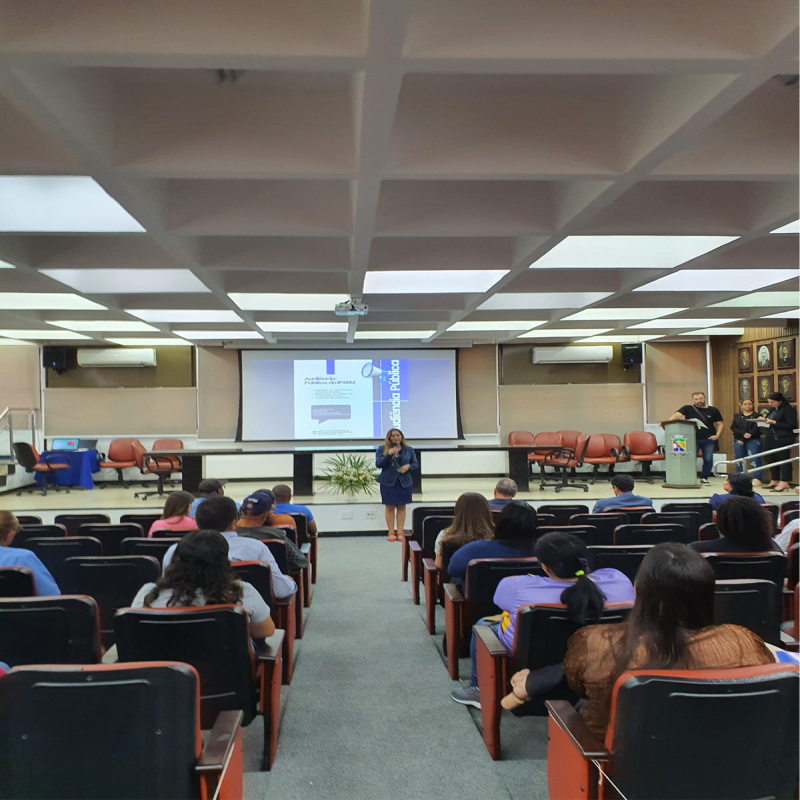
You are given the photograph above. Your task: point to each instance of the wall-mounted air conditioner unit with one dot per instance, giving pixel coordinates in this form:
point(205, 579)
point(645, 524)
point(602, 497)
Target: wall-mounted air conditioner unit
point(577, 354)
point(116, 357)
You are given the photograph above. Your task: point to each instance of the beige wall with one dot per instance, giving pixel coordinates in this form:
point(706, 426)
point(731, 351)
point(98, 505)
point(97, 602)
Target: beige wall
point(673, 371)
point(600, 408)
point(477, 386)
point(20, 366)
point(218, 392)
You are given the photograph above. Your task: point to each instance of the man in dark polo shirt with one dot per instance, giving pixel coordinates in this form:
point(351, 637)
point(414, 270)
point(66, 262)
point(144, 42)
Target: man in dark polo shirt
point(709, 429)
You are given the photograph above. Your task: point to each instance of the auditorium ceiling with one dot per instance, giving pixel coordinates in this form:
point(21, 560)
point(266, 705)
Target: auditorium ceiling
point(513, 170)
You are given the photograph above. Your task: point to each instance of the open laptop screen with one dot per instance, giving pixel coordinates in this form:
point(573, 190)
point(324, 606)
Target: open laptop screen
point(64, 444)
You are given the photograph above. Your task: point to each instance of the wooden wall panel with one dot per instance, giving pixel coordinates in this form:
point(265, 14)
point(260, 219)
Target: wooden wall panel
point(604, 408)
point(120, 412)
point(673, 370)
point(477, 385)
point(218, 392)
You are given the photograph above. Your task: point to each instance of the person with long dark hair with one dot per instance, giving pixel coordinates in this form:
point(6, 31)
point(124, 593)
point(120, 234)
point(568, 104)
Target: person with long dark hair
point(200, 574)
point(782, 419)
point(472, 522)
point(671, 626)
point(745, 527)
point(568, 580)
point(176, 515)
point(395, 458)
point(514, 537)
point(736, 485)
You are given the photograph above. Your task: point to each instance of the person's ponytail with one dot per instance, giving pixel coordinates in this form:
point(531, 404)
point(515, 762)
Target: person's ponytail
point(566, 556)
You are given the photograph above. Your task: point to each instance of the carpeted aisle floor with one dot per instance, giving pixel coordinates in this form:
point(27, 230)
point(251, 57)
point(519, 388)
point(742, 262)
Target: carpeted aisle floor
point(368, 714)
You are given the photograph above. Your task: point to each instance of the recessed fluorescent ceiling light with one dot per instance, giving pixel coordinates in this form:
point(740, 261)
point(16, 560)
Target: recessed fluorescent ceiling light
point(303, 327)
point(616, 339)
point(760, 300)
point(182, 315)
point(42, 334)
point(219, 334)
point(627, 252)
point(623, 313)
point(128, 281)
point(66, 204)
point(790, 227)
point(47, 301)
point(393, 334)
point(431, 281)
point(144, 342)
point(718, 280)
point(567, 333)
point(6, 265)
point(270, 301)
point(521, 300)
point(497, 325)
point(109, 326)
point(684, 323)
point(16, 342)
point(714, 332)
point(791, 314)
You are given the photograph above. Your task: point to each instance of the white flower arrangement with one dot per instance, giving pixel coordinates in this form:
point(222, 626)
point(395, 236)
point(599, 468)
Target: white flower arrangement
point(350, 474)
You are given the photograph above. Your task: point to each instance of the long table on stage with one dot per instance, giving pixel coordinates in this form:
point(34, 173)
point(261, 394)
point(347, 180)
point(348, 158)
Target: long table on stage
point(303, 461)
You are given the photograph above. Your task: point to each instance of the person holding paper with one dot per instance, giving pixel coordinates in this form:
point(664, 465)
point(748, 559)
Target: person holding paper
point(782, 421)
point(709, 428)
point(395, 459)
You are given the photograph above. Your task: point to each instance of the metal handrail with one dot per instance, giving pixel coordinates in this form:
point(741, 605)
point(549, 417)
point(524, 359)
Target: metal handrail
point(747, 471)
point(6, 423)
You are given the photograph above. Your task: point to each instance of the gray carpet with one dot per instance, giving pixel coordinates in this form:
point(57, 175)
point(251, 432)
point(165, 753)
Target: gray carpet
point(368, 714)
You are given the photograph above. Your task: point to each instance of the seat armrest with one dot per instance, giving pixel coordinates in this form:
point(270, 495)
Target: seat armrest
point(305, 549)
point(429, 565)
point(572, 723)
point(453, 605)
point(415, 560)
point(660, 449)
point(221, 741)
point(48, 460)
point(430, 579)
point(270, 648)
point(490, 640)
point(452, 593)
point(492, 664)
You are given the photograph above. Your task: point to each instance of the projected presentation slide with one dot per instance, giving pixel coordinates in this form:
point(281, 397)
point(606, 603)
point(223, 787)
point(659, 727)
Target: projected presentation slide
point(309, 395)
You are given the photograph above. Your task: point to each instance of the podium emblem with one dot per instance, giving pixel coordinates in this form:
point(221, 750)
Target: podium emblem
point(679, 446)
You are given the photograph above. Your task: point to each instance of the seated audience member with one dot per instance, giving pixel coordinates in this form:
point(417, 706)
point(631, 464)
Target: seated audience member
point(514, 537)
point(284, 505)
point(277, 520)
point(220, 514)
point(176, 514)
point(745, 527)
point(472, 521)
point(736, 485)
point(44, 582)
point(670, 627)
point(565, 559)
point(200, 574)
point(623, 496)
point(504, 492)
point(253, 523)
point(784, 538)
point(209, 487)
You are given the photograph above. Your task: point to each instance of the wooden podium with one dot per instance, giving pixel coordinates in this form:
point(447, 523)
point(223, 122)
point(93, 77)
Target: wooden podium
point(680, 450)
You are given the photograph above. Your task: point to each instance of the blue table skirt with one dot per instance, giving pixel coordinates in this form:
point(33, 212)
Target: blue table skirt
point(82, 464)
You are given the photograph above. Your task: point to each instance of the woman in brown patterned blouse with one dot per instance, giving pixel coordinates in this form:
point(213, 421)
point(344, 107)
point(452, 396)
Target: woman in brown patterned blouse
point(670, 627)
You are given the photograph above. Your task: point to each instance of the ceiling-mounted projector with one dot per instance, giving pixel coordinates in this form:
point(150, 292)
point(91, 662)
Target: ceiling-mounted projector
point(351, 308)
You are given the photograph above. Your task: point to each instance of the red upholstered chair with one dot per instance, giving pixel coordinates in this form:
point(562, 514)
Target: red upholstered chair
point(28, 457)
point(598, 451)
point(120, 456)
point(546, 439)
point(676, 733)
point(570, 438)
point(521, 439)
point(616, 447)
point(160, 466)
point(643, 447)
point(153, 719)
point(565, 461)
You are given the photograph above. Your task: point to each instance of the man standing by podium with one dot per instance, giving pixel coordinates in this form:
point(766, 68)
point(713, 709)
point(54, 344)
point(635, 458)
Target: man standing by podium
point(709, 429)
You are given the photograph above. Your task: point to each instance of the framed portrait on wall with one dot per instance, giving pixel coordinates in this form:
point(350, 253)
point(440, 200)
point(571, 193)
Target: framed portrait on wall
point(786, 354)
point(746, 359)
point(765, 387)
point(787, 385)
point(746, 389)
point(764, 356)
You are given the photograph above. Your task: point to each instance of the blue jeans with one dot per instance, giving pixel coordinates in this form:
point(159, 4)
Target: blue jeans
point(473, 648)
point(706, 449)
point(749, 447)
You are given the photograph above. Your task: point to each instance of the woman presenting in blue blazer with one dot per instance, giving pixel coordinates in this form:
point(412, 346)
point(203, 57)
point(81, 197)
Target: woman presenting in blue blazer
point(395, 459)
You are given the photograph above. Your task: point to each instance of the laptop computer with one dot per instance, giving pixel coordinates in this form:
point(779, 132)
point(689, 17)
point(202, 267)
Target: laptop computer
point(65, 444)
point(87, 444)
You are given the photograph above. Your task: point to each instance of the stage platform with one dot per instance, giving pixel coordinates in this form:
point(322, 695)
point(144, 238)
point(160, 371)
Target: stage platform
point(334, 513)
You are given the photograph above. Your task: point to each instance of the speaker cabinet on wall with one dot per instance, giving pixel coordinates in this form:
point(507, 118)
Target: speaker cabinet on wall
point(631, 354)
point(54, 357)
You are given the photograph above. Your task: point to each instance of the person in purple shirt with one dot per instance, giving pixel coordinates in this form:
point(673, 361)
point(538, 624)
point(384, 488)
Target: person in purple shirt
point(564, 559)
point(736, 485)
point(44, 582)
point(623, 496)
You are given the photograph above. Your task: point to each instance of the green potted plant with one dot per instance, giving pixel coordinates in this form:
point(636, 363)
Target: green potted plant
point(350, 474)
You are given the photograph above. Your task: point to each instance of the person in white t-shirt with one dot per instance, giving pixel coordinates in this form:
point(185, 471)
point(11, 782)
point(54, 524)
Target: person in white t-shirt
point(200, 574)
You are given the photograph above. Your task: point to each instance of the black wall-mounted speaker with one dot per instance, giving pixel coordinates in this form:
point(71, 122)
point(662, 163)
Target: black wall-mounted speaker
point(631, 354)
point(54, 357)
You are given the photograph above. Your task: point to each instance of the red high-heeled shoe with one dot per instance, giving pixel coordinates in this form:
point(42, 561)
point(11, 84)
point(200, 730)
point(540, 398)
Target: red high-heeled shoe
point(392, 536)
